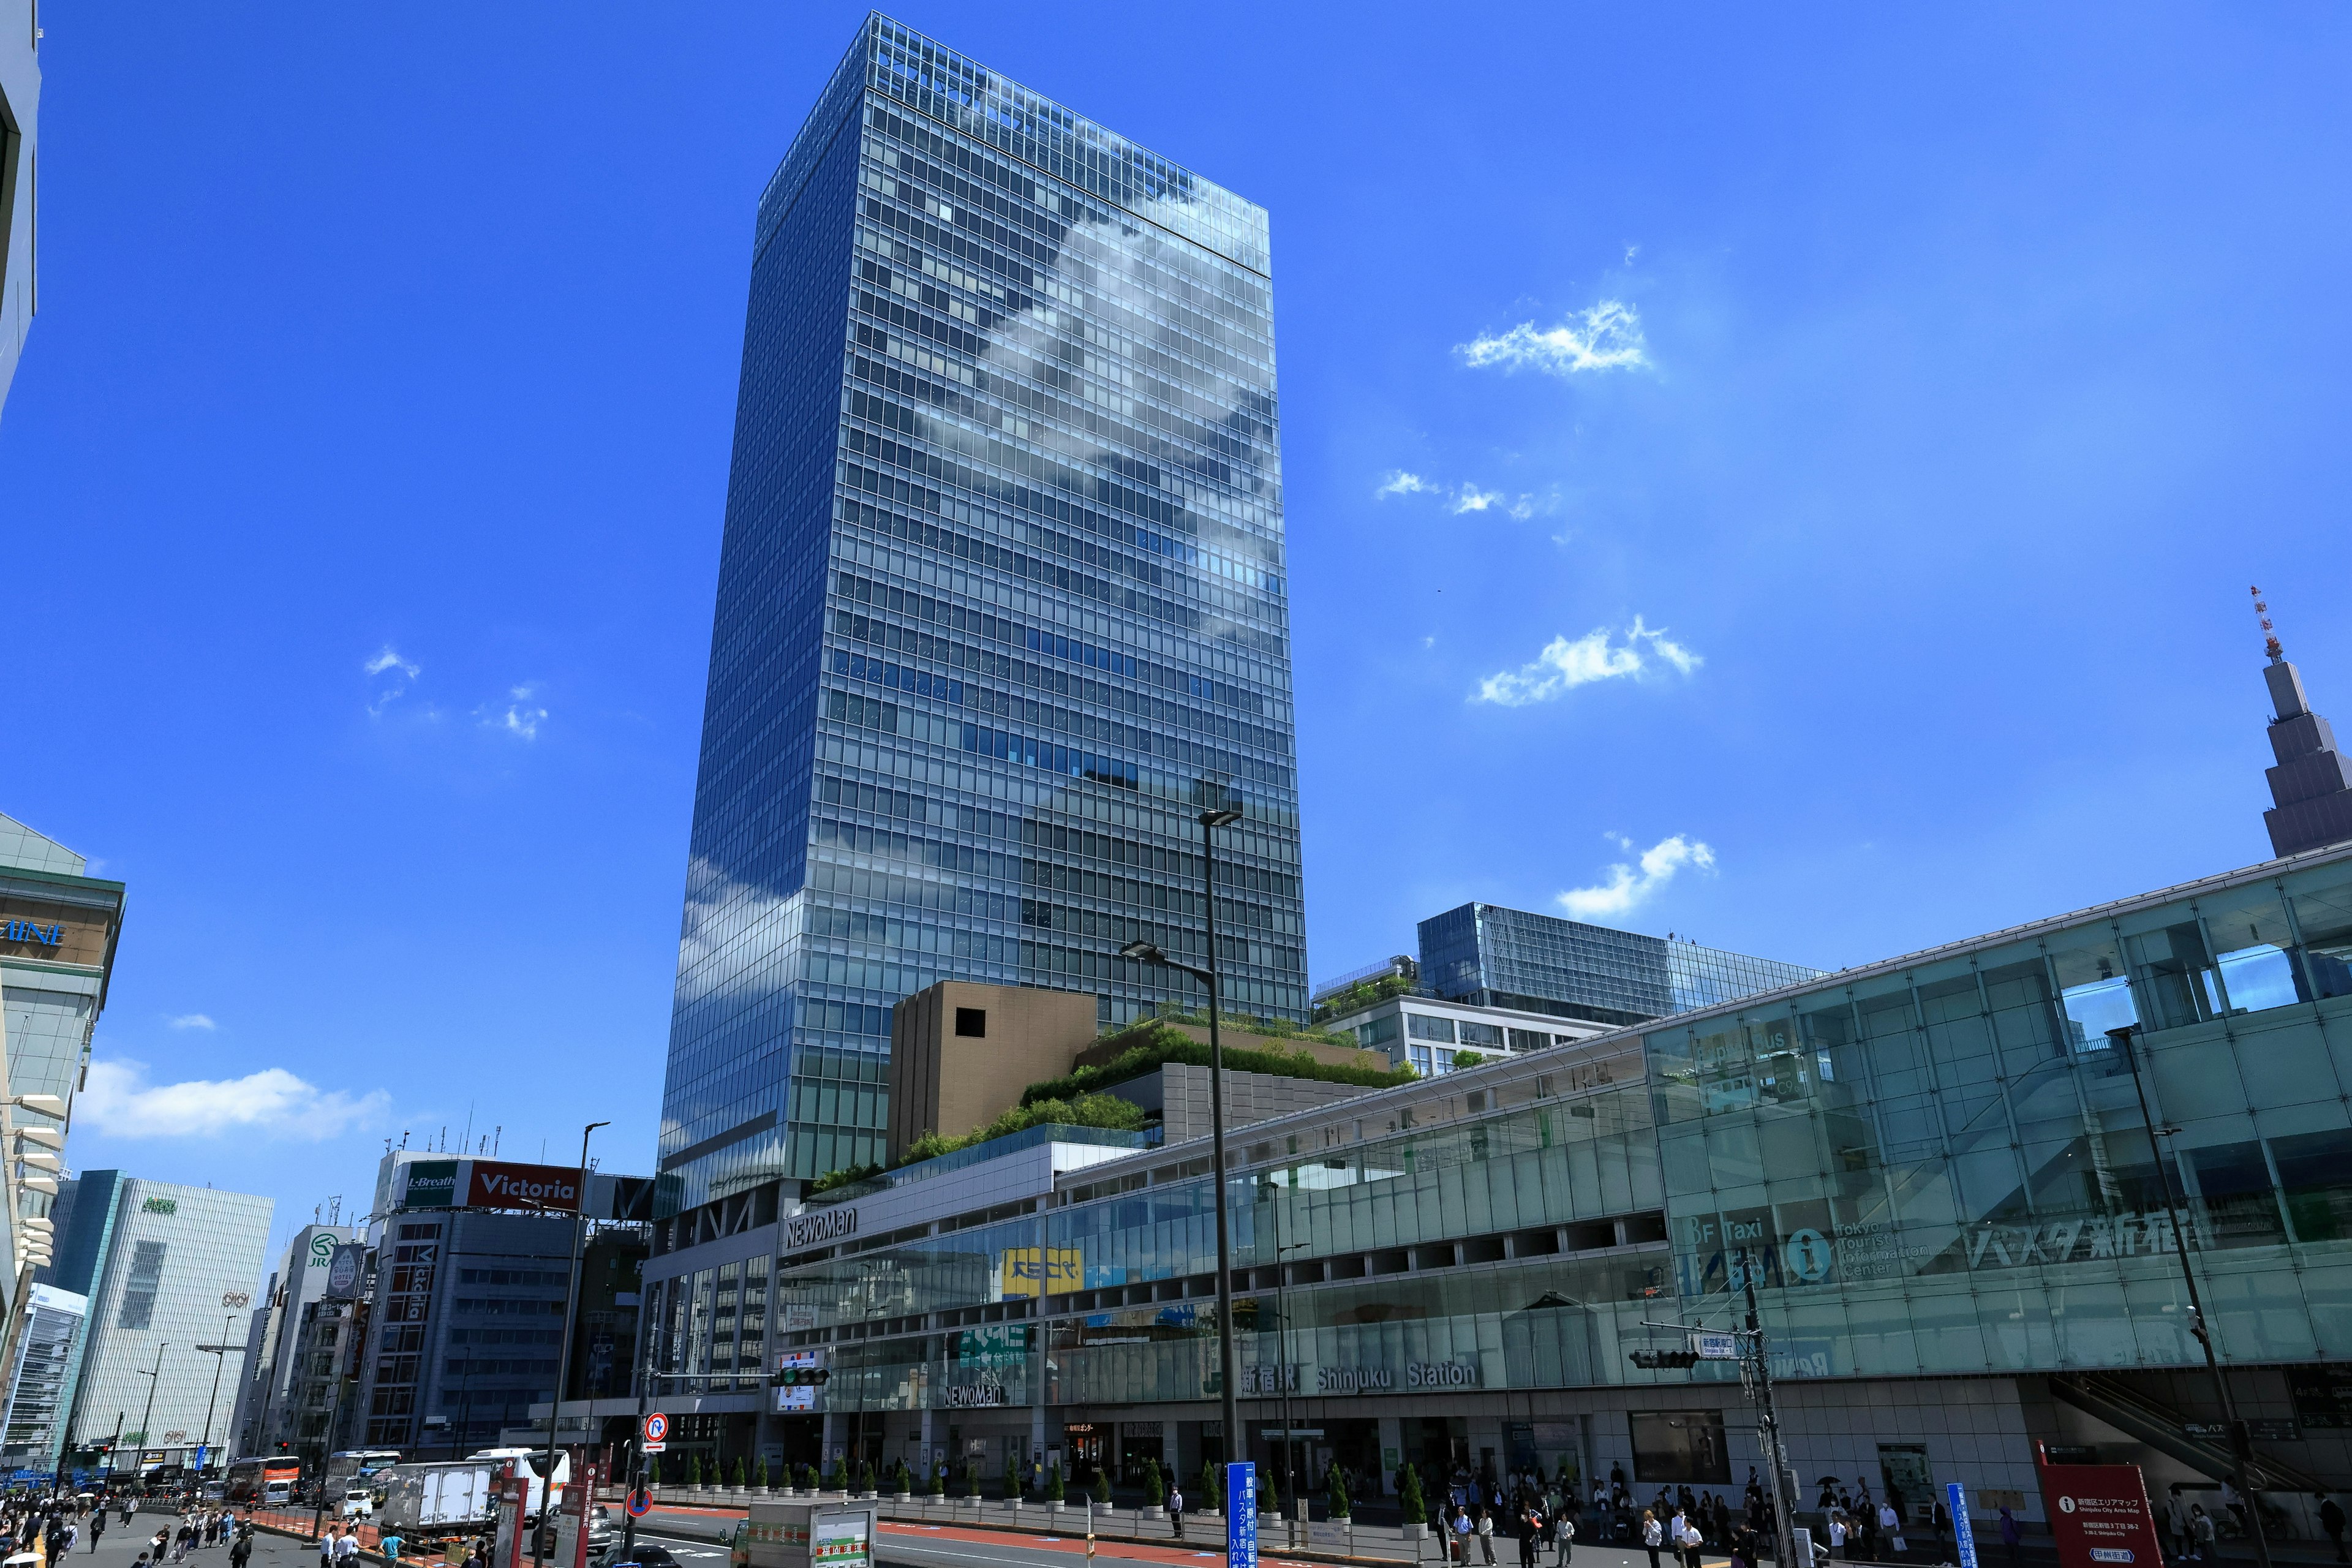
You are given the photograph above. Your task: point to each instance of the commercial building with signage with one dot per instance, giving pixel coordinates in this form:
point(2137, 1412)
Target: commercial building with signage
point(1934, 1170)
point(263, 1417)
point(166, 1268)
point(465, 1304)
point(59, 931)
point(20, 102)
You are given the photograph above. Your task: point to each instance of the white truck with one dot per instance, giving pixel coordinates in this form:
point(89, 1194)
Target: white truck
point(453, 1495)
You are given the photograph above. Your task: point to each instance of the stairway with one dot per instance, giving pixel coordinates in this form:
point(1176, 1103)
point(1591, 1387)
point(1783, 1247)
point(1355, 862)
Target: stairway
point(2165, 1429)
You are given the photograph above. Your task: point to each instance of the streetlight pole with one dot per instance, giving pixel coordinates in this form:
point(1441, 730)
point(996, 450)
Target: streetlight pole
point(1147, 953)
point(564, 1357)
point(2242, 1447)
point(219, 1354)
point(138, 1467)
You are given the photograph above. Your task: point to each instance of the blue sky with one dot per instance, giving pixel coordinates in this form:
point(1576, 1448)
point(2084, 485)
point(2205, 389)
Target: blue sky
point(1879, 415)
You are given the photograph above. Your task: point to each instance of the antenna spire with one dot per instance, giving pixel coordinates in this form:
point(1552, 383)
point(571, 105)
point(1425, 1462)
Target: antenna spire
point(2270, 633)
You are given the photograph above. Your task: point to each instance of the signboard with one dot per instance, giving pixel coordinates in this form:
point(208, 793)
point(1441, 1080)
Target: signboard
point(1062, 1269)
point(499, 1184)
point(2323, 1396)
point(820, 1226)
point(993, 1344)
point(641, 1503)
point(657, 1428)
point(1241, 1515)
point(344, 1271)
point(1711, 1346)
point(2098, 1514)
point(1957, 1500)
point(431, 1184)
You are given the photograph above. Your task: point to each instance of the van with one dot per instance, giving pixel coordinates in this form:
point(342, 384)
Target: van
point(276, 1493)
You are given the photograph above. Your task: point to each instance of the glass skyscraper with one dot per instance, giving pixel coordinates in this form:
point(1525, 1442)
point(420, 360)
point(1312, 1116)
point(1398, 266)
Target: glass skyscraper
point(1002, 607)
point(1541, 963)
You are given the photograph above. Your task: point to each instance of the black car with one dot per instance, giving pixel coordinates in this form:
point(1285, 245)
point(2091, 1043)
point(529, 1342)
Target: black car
point(650, 1557)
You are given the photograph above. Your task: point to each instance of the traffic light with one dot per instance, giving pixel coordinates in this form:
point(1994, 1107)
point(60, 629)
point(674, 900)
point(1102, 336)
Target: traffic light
point(1664, 1361)
point(800, 1377)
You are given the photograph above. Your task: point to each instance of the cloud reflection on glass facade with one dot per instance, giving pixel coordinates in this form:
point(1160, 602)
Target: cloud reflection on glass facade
point(1001, 604)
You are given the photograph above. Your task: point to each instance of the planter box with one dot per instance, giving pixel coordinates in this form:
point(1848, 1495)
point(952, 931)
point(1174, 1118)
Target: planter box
point(1416, 1533)
point(902, 1497)
point(1154, 1512)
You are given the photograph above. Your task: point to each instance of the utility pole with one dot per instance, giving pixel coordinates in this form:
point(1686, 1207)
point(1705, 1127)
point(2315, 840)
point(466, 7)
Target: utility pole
point(563, 1358)
point(2241, 1444)
point(1757, 1370)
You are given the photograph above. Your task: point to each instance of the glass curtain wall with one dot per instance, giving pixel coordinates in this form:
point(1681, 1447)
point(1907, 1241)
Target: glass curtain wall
point(1946, 1170)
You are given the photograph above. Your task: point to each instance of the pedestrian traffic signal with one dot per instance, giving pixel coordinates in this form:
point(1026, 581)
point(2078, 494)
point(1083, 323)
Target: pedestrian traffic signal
point(1665, 1361)
point(800, 1377)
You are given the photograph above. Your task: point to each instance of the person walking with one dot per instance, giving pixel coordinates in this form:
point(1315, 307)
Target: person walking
point(1692, 1543)
point(2200, 1530)
point(1527, 1526)
point(1563, 1535)
point(1653, 1533)
point(327, 1547)
point(2176, 1521)
point(240, 1550)
point(1890, 1525)
point(1176, 1511)
point(1487, 1533)
point(2331, 1523)
point(2011, 1537)
point(347, 1548)
point(97, 1526)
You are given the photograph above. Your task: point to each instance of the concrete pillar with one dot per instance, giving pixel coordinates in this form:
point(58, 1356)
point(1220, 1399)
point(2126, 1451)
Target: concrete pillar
point(836, 1437)
point(1391, 1453)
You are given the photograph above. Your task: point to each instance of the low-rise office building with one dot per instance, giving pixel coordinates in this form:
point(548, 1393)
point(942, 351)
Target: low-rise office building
point(32, 1428)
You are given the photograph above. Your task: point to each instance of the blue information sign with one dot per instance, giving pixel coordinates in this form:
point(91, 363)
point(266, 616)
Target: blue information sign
point(1241, 1515)
point(1966, 1537)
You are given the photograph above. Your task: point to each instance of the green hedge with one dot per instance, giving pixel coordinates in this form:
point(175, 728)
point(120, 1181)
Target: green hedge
point(1078, 1110)
point(1156, 1044)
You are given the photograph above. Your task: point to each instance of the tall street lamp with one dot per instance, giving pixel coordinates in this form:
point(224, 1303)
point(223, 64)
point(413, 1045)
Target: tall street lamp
point(2242, 1447)
point(154, 1378)
point(1146, 953)
point(564, 1357)
point(219, 1354)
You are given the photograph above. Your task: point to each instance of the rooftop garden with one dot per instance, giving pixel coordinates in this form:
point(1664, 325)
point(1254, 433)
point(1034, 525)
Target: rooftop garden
point(1155, 1044)
point(1364, 993)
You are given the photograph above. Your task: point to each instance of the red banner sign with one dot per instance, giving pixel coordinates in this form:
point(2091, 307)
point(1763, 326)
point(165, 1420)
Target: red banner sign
point(2099, 1515)
point(510, 1186)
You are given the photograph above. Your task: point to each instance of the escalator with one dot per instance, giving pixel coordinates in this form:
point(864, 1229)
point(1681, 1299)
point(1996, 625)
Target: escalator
point(2165, 1430)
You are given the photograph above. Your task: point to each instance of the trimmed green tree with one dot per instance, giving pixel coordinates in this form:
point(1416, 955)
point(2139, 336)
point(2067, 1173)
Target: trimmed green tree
point(1211, 1490)
point(735, 1474)
point(760, 1475)
point(1012, 1477)
point(1102, 1487)
point(939, 1480)
point(865, 1474)
point(1335, 1485)
point(1409, 1499)
point(971, 1479)
point(1054, 1482)
point(694, 1469)
point(653, 1469)
point(1155, 1490)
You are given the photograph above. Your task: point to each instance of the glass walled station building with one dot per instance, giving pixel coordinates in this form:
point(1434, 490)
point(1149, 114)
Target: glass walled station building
point(1935, 1169)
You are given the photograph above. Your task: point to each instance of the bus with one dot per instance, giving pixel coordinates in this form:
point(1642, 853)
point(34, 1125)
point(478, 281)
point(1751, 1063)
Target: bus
point(264, 1482)
point(357, 1465)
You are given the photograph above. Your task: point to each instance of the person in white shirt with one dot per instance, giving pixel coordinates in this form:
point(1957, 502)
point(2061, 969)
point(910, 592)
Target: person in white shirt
point(1837, 1538)
point(1890, 1524)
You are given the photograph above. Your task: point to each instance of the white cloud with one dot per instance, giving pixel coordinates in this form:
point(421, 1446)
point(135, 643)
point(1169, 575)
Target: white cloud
point(389, 659)
point(521, 717)
point(117, 1102)
point(1565, 665)
point(1627, 885)
point(1631, 251)
point(1607, 337)
point(401, 671)
point(194, 1021)
point(1463, 499)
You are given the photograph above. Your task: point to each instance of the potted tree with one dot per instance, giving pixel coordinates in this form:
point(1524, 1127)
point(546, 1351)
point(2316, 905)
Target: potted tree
point(735, 1481)
point(938, 1480)
point(1155, 1491)
point(1053, 1487)
point(971, 1481)
point(1013, 1483)
point(1335, 1487)
point(1416, 1511)
point(902, 1485)
point(653, 1474)
point(1101, 1488)
point(866, 1478)
point(759, 1477)
point(1212, 1490)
